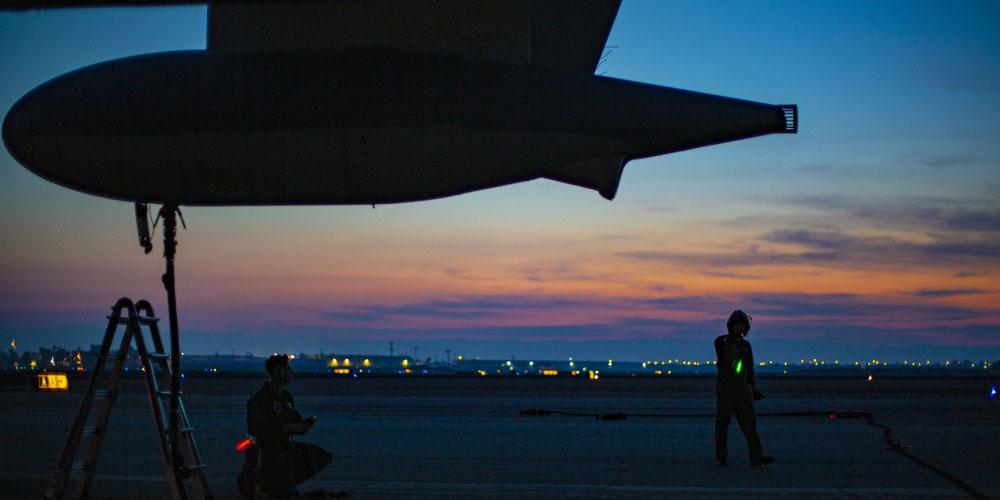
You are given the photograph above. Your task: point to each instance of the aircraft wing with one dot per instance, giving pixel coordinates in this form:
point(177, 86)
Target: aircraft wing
point(552, 33)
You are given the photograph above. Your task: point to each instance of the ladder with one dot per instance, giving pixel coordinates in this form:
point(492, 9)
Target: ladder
point(132, 317)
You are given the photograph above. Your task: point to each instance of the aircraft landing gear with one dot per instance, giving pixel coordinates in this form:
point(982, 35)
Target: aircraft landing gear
point(169, 213)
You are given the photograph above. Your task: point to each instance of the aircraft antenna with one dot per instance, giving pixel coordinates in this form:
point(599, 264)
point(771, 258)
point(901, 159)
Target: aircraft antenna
point(608, 49)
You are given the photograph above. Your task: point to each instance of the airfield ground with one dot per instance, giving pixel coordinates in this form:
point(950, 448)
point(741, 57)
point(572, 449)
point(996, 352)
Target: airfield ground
point(464, 437)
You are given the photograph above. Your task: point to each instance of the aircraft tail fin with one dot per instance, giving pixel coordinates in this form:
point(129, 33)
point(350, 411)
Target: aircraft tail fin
point(601, 174)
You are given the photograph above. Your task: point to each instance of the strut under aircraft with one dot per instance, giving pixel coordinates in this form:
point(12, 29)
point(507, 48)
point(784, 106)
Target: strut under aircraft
point(366, 102)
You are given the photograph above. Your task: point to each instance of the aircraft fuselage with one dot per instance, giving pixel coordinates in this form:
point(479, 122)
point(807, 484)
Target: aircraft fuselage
point(352, 127)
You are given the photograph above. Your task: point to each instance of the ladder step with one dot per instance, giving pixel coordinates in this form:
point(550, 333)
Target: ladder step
point(196, 467)
point(90, 430)
point(156, 356)
point(166, 394)
point(182, 430)
point(78, 466)
point(103, 393)
point(145, 320)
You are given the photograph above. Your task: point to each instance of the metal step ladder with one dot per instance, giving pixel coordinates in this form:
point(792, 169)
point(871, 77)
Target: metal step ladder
point(101, 399)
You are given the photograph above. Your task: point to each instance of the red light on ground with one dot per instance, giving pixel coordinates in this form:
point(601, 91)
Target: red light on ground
point(243, 445)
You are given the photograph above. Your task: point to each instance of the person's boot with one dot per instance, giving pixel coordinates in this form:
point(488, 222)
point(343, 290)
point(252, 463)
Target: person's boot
point(761, 460)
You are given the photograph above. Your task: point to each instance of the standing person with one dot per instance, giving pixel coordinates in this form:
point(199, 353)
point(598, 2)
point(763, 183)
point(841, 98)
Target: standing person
point(272, 420)
point(736, 390)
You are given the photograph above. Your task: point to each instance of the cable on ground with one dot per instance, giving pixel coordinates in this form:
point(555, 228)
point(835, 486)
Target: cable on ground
point(893, 443)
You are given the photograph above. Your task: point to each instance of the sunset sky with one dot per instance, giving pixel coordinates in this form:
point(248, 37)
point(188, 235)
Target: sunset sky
point(874, 232)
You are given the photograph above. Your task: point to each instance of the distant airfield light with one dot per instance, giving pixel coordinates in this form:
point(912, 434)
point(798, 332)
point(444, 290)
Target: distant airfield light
point(333, 363)
point(347, 362)
point(644, 365)
point(870, 377)
point(406, 363)
point(993, 392)
point(610, 362)
point(459, 357)
point(531, 363)
point(366, 363)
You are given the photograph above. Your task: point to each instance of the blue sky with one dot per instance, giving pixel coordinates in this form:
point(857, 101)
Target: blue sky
point(873, 232)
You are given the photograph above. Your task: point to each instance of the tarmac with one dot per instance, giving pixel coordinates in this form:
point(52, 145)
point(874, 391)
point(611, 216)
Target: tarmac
point(466, 438)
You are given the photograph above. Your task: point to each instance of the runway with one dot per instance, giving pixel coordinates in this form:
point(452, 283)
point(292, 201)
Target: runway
point(440, 438)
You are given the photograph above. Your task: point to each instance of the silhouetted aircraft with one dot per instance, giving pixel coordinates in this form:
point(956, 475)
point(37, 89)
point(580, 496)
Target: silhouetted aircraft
point(365, 102)
point(357, 102)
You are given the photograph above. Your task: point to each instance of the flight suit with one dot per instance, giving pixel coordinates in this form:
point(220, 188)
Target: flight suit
point(284, 462)
point(734, 379)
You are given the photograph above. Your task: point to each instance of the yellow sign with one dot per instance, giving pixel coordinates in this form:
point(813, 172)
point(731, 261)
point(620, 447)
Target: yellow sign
point(53, 382)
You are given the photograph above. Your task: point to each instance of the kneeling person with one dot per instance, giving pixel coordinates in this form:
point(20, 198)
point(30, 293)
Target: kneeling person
point(272, 420)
